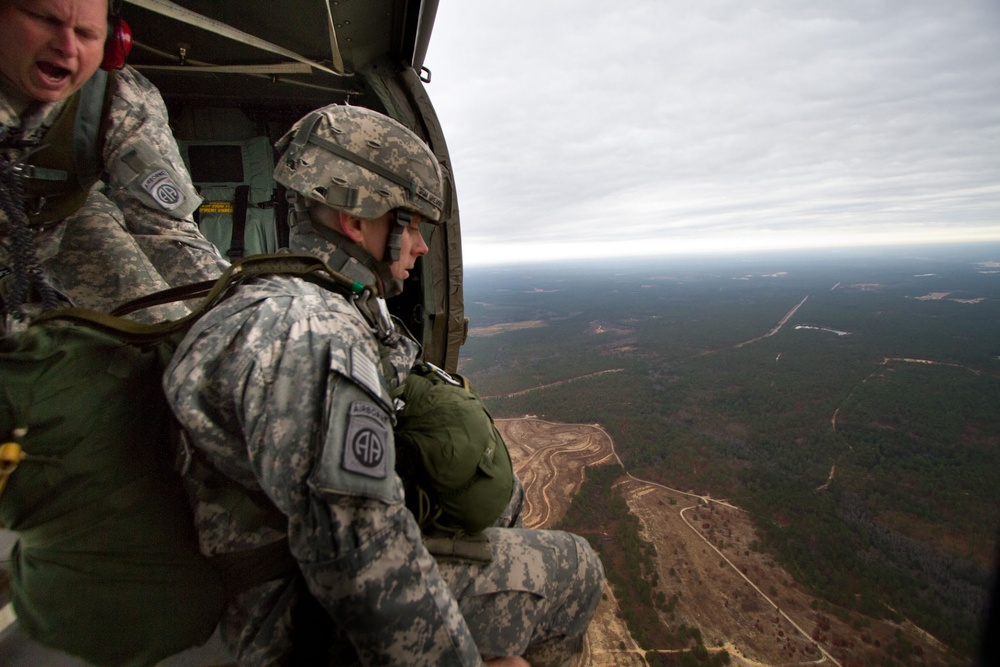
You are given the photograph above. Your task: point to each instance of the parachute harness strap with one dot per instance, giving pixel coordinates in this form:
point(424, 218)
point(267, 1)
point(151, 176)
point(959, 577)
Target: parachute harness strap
point(375, 311)
point(394, 244)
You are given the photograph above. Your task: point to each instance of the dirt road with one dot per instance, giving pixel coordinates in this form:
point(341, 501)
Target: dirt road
point(739, 599)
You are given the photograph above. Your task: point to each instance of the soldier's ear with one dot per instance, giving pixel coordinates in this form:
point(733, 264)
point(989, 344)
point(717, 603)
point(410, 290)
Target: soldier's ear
point(350, 226)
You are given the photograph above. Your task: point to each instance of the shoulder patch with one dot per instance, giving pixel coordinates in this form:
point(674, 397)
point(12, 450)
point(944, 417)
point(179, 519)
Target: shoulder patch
point(358, 456)
point(163, 190)
point(367, 442)
point(153, 181)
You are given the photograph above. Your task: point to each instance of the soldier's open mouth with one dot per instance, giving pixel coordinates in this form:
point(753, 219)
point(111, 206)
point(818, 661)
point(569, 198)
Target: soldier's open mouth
point(53, 72)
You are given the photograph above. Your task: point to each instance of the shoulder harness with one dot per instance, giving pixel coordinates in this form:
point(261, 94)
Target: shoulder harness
point(59, 172)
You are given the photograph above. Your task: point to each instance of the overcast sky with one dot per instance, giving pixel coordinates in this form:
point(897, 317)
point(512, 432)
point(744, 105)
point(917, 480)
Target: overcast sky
point(582, 128)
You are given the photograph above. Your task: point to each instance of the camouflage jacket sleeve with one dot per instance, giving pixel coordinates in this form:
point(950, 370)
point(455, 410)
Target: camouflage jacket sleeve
point(147, 180)
point(302, 386)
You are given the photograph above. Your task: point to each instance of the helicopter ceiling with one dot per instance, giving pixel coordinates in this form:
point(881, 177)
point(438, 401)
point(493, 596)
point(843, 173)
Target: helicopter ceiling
point(231, 49)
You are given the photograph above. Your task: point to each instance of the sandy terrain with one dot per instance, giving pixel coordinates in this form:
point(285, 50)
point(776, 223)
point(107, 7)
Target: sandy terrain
point(740, 599)
point(507, 326)
point(550, 460)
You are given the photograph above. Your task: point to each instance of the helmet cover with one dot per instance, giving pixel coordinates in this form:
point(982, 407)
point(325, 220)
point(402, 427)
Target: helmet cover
point(360, 162)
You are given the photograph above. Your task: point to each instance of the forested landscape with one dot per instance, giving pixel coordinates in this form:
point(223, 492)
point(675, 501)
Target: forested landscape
point(601, 514)
point(863, 435)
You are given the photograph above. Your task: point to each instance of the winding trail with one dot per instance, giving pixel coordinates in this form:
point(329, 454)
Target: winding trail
point(544, 470)
point(905, 360)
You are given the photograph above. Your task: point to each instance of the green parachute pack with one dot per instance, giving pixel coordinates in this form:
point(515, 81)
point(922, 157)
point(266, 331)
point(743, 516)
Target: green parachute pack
point(454, 464)
point(107, 565)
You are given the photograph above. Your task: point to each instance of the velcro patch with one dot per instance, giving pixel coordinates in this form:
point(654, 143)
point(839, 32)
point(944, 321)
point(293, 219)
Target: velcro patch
point(366, 446)
point(163, 190)
point(365, 372)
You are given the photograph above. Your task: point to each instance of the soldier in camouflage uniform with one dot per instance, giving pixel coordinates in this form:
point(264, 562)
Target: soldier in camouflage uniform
point(284, 387)
point(132, 236)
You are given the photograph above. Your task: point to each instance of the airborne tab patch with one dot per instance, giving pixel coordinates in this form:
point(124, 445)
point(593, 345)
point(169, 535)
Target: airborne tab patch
point(163, 189)
point(367, 442)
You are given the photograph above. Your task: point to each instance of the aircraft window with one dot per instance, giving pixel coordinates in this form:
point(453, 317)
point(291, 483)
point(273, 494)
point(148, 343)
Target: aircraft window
point(216, 164)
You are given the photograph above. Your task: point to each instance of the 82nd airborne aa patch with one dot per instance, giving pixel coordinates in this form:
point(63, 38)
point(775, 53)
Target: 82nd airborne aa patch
point(366, 447)
point(163, 190)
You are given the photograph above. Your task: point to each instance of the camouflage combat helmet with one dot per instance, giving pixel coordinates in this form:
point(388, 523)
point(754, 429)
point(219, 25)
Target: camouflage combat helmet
point(360, 162)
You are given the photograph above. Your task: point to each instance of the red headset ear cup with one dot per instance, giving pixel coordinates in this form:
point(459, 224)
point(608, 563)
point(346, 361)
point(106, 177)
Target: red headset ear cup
point(117, 45)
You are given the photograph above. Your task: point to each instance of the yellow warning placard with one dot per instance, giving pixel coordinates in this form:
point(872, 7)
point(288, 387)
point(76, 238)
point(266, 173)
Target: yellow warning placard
point(216, 207)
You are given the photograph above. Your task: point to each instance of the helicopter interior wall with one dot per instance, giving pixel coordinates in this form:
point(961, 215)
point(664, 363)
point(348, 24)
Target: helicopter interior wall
point(237, 106)
point(237, 121)
point(195, 123)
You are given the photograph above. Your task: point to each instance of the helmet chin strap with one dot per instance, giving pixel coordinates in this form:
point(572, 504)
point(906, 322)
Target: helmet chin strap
point(393, 249)
point(386, 284)
point(298, 208)
point(389, 285)
point(394, 244)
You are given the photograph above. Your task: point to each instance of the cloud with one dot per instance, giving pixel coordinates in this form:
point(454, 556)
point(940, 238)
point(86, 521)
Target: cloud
point(584, 123)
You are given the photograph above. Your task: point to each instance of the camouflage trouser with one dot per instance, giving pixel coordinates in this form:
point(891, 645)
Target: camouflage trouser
point(535, 598)
point(514, 621)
